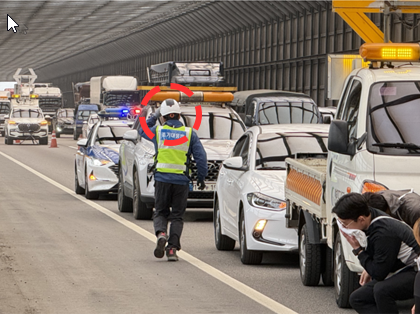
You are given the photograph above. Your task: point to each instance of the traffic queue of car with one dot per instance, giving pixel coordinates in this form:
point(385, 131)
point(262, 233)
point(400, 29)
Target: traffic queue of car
point(245, 184)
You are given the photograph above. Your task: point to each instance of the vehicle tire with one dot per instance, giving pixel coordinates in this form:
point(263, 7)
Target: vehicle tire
point(327, 272)
point(248, 257)
point(8, 141)
point(309, 259)
point(125, 204)
point(223, 243)
point(75, 135)
point(43, 141)
point(57, 134)
point(3, 133)
point(88, 194)
point(345, 281)
point(77, 188)
point(140, 209)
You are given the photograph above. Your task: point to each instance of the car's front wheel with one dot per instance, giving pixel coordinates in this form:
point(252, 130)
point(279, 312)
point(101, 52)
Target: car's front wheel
point(125, 204)
point(247, 256)
point(309, 259)
point(8, 140)
point(43, 141)
point(223, 243)
point(345, 281)
point(140, 209)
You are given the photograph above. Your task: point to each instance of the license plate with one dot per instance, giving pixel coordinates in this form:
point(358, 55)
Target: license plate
point(209, 187)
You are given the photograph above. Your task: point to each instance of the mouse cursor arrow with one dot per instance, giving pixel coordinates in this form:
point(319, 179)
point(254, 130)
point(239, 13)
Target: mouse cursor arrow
point(11, 24)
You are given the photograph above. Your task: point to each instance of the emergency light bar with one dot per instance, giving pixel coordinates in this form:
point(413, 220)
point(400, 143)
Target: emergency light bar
point(387, 52)
point(16, 96)
point(196, 97)
point(121, 112)
point(34, 96)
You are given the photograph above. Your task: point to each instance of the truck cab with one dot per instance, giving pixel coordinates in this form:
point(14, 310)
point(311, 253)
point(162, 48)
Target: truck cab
point(114, 91)
point(373, 145)
point(50, 100)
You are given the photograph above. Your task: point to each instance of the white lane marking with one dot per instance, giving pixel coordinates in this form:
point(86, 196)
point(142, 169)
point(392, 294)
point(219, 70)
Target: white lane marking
point(210, 270)
point(73, 147)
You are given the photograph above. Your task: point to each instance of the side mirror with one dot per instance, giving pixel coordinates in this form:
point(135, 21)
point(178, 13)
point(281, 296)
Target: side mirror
point(338, 138)
point(131, 136)
point(248, 120)
point(82, 142)
point(234, 163)
point(47, 116)
point(85, 122)
point(6, 117)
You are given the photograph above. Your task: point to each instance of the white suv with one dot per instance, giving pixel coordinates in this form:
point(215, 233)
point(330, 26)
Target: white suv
point(219, 130)
point(26, 123)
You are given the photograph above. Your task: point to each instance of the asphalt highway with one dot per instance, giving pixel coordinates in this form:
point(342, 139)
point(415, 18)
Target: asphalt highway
point(60, 253)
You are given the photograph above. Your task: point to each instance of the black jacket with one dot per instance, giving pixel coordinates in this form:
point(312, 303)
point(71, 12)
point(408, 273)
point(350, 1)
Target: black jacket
point(390, 246)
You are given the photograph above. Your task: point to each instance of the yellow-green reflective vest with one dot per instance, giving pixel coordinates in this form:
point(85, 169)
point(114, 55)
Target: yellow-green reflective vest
point(172, 159)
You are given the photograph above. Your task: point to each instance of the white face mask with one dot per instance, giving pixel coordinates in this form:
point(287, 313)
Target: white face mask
point(358, 234)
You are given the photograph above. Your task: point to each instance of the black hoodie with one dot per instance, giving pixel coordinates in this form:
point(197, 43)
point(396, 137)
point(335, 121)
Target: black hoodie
point(391, 246)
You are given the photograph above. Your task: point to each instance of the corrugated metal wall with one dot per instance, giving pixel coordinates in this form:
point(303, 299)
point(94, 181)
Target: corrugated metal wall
point(287, 53)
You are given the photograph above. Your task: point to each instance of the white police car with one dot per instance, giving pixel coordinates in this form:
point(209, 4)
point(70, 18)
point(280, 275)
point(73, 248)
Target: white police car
point(96, 162)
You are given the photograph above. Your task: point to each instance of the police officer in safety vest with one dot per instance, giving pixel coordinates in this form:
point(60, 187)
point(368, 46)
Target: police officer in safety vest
point(171, 175)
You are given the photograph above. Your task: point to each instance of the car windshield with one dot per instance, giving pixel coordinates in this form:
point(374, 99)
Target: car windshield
point(66, 114)
point(84, 114)
point(285, 112)
point(273, 148)
point(121, 99)
point(27, 113)
point(393, 121)
point(4, 108)
point(108, 134)
point(220, 126)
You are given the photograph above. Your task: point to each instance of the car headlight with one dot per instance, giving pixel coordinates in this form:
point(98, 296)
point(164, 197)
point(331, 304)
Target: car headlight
point(100, 162)
point(265, 202)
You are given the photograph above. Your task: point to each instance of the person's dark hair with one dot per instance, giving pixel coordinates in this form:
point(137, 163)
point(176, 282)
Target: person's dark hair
point(168, 116)
point(416, 230)
point(351, 206)
point(377, 201)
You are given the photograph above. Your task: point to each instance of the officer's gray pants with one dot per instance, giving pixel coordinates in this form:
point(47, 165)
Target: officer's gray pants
point(170, 204)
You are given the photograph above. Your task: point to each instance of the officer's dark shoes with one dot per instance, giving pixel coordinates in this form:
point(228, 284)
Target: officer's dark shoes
point(171, 255)
point(160, 245)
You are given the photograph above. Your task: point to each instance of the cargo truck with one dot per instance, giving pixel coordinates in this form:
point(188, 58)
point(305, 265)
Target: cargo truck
point(114, 91)
point(373, 144)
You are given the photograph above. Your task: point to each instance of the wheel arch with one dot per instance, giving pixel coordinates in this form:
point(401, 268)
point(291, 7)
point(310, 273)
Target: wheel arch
point(313, 227)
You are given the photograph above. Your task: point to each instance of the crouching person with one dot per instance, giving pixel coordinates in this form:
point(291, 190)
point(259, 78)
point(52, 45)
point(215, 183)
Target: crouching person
point(388, 258)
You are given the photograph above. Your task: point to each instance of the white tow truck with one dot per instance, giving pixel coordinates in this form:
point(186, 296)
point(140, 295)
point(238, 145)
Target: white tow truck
point(373, 144)
point(26, 120)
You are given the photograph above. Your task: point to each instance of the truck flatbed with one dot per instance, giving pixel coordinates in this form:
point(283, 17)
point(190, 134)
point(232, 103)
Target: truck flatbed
point(305, 184)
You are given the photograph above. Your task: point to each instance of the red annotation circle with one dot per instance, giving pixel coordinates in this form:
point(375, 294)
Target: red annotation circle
point(198, 112)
